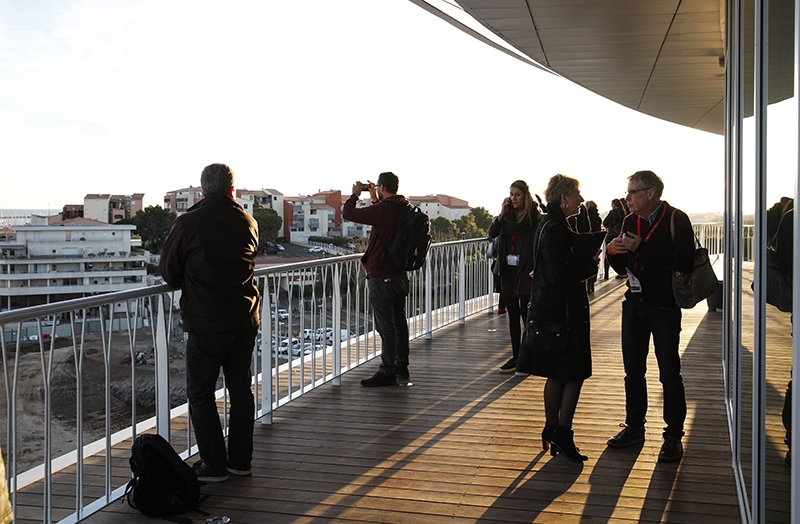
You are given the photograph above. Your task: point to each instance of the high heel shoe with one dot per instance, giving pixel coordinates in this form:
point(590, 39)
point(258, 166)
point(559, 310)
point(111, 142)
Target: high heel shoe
point(563, 442)
point(547, 435)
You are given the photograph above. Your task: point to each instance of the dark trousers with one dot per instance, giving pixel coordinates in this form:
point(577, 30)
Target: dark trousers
point(517, 309)
point(206, 353)
point(387, 296)
point(664, 324)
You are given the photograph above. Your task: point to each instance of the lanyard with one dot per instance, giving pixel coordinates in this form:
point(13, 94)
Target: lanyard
point(513, 238)
point(649, 233)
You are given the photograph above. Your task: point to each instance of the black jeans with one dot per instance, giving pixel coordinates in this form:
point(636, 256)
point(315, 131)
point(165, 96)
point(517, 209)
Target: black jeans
point(387, 296)
point(664, 324)
point(206, 353)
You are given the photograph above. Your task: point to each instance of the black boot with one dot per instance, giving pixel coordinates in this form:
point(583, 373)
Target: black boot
point(547, 436)
point(563, 442)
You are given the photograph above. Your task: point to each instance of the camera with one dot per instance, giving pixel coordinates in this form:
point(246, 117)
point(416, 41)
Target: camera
point(364, 187)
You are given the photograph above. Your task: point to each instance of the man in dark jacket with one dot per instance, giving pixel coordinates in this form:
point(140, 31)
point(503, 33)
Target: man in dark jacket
point(210, 254)
point(388, 284)
point(649, 251)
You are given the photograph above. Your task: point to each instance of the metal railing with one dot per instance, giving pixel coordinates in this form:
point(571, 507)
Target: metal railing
point(97, 371)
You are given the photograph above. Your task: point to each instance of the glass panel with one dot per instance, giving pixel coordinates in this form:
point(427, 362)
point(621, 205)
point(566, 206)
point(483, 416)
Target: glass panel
point(781, 171)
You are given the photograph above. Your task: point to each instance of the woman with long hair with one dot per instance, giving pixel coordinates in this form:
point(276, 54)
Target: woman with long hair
point(514, 227)
point(558, 296)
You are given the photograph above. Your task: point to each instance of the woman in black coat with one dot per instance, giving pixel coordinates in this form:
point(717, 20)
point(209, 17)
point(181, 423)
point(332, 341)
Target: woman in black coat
point(515, 227)
point(558, 295)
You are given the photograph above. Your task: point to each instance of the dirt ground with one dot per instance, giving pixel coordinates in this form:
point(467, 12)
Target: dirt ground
point(34, 365)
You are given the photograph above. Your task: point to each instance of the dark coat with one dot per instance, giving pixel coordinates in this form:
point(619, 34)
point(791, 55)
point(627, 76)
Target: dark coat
point(655, 260)
point(558, 287)
point(210, 254)
point(522, 279)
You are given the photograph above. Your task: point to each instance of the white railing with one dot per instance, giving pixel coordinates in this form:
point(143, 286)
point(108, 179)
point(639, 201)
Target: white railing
point(83, 375)
point(711, 237)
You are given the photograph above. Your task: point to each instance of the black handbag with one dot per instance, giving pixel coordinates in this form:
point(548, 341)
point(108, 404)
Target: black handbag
point(541, 336)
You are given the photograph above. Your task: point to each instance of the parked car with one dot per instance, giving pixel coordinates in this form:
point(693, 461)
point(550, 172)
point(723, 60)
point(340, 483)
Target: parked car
point(287, 344)
point(324, 333)
point(315, 249)
point(283, 314)
point(279, 247)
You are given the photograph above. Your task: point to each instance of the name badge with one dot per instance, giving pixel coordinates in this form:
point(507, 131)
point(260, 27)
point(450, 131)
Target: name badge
point(633, 283)
point(512, 260)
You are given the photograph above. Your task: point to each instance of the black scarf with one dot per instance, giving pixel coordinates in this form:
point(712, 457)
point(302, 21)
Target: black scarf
point(510, 226)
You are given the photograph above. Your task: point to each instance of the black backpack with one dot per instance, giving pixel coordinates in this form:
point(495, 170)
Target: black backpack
point(163, 484)
point(409, 246)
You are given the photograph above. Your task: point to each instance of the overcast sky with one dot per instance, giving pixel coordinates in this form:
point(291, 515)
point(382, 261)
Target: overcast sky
point(138, 96)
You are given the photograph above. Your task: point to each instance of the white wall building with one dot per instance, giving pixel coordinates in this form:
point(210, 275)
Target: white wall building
point(40, 264)
point(434, 206)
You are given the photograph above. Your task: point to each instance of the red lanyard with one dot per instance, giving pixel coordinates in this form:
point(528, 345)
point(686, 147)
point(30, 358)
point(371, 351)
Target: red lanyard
point(649, 233)
point(513, 238)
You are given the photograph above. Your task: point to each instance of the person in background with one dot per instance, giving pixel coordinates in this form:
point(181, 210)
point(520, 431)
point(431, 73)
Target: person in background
point(558, 295)
point(595, 224)
point(515, 227)
point(210, 254)
point(650, 252)
point(613, 223)
point(387, 284)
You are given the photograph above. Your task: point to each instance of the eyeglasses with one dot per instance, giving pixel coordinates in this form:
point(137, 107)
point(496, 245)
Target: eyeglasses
point(630, 192)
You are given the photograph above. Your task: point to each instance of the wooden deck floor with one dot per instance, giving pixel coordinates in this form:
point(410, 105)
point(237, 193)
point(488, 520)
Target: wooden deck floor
point(462, 444)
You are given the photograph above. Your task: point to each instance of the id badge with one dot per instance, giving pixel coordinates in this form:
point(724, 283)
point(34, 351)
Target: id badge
point(633, 282)
point(512, 260)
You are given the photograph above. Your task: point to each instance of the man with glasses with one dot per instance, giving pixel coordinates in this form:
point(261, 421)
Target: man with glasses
point(656, 239)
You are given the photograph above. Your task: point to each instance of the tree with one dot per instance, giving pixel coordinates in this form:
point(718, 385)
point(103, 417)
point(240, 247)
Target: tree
point(483, 219)
point(153, 224)
point(467, 227)
point(269, 224)
point(443, 230)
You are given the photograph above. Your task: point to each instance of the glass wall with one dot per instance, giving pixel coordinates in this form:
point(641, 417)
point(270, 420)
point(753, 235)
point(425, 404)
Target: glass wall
point(761, 154)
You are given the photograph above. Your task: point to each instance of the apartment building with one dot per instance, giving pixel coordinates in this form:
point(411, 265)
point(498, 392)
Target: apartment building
point(180, 200)
point(316, 215)
point(41, 263)
point(266, 198)
point(110, 209)
point(434, 206)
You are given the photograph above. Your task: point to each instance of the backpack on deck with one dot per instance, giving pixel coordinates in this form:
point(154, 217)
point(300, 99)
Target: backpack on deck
point(411, 241)
point(163, 484)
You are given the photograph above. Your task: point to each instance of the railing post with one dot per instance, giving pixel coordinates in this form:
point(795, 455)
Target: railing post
point(270, 361)
point(462, 282)
point(428, 299)
point(336, 322)
point(162, 373)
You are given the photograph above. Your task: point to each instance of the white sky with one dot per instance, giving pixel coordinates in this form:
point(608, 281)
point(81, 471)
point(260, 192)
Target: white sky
point(138, 96)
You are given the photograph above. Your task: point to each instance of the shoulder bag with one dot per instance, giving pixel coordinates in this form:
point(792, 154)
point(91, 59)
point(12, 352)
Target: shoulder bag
point(697, 285)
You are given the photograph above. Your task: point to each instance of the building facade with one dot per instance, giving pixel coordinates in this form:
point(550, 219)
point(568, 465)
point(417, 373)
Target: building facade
point(435, 206)
point(180, 200)
point(109, 209)
point(318, 215)
point(41, 263)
